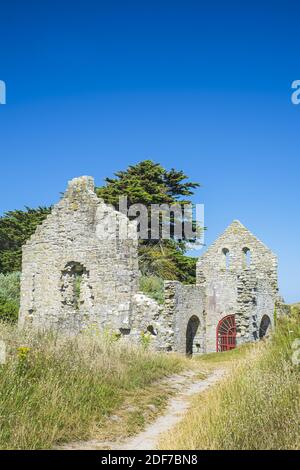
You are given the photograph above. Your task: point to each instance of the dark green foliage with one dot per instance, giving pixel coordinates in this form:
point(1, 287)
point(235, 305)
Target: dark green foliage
point(149, 183)
point(16, 227)
point(9, 296)
point(9, 310)
point(166, 260)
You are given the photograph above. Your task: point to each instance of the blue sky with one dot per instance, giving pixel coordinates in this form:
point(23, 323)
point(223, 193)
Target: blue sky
point(201, 86)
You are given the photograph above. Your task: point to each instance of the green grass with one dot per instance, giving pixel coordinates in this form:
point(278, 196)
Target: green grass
point(227, 356)
point(55, 389)
point(153, 286)
point(256, 407)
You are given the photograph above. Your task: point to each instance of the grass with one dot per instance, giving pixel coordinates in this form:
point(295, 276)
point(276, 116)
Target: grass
point(57, 389)
point(153, 286)
point(296, 309)
point(256, 407)
point(225, 357)
point(140, 407)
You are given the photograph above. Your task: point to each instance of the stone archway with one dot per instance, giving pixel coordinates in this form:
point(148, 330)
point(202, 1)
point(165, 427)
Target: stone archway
point(193, 345)
point(265, 326)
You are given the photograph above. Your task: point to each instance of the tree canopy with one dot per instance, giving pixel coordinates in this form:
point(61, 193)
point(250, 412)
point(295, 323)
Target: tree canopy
point(149, 183)
point(16, 227)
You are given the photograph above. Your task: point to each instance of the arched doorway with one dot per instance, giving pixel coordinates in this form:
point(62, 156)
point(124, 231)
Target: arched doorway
point(192, 340)
point(226, 334)
point(265, 326)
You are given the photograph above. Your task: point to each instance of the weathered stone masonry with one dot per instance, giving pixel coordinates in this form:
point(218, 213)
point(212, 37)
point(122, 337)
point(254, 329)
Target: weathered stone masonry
point(239, 275)
point(79, 270)
point(72, 276)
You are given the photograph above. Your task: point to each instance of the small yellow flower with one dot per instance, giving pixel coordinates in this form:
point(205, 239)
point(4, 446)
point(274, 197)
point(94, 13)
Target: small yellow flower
point(23, 352)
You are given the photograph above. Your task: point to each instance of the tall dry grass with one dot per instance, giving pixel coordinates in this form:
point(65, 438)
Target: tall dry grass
point(256, 407)
point(57, 389)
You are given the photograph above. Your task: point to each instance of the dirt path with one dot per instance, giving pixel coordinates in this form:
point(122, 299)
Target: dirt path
point(186, 387)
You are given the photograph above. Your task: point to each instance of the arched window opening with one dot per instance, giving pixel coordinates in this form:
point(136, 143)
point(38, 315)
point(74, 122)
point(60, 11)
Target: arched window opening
point(247, 257)
point(193, 341)
point(226, 334)
point(226, 254)
point(74, 286)
point(265, 326)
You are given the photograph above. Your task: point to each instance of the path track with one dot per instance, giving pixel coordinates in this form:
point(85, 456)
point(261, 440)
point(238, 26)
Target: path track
point(186, 387)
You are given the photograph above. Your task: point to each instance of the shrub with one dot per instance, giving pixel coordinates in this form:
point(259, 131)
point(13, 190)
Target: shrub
point(9, 296)
point(10, 286)
point(9, 310)
point(145, 340)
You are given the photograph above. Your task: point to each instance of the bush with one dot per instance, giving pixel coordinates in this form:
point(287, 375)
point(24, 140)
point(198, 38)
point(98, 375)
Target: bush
point(9, 310)
point(10, 286)
point(153, 286)
point(9, 296)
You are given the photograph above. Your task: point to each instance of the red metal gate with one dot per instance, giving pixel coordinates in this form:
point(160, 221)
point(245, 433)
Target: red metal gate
point(226, 334)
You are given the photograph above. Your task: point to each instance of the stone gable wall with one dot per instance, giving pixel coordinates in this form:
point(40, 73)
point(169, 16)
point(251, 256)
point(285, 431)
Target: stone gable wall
point(236, 239)
point(235, 287)
point(71, 247)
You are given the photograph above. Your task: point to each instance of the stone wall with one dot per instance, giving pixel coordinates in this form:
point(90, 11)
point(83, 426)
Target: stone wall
point(182, 302)
point(220, 300)
point(77, 270)
point(239, 275)
point(146, 319)
point(232, 246)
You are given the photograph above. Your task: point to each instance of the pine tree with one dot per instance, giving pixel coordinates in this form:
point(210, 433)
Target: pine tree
point(149, 183)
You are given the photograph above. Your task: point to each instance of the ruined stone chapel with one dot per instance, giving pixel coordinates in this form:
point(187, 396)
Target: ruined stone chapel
point(73, 278)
